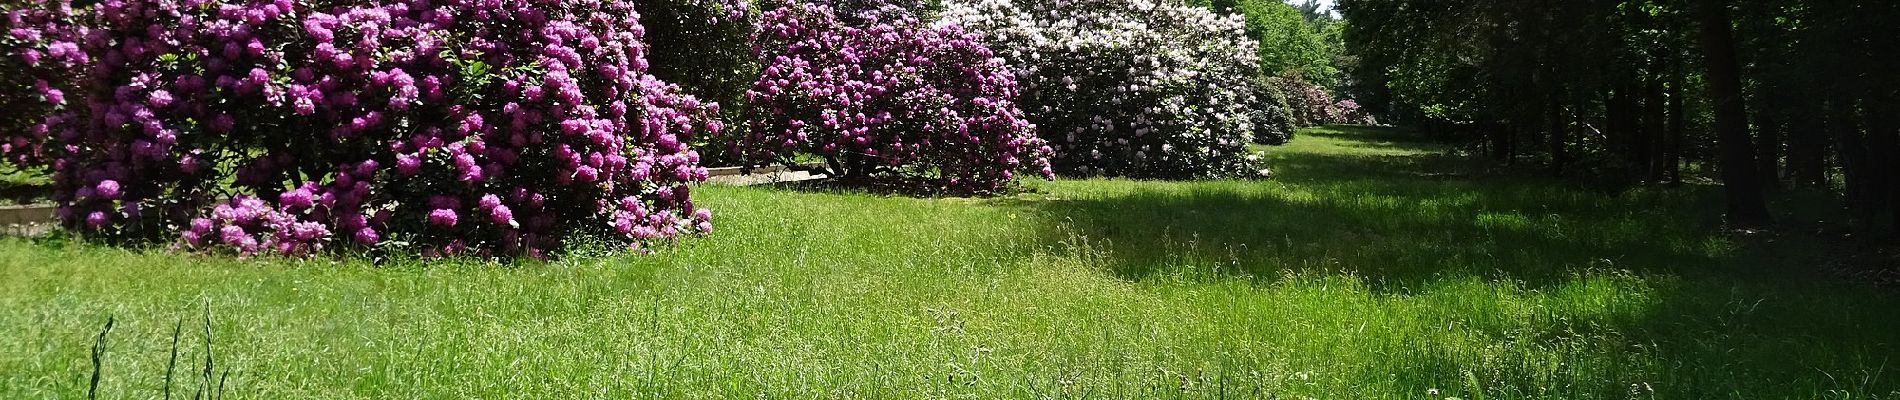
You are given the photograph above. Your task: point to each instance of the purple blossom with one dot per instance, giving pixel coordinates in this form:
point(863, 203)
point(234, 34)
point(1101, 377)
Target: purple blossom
point(257, 78)
point(108, 189)
point(408, 164)
point(233, 235)
point(160, 99)
point(501, 215)
point(443, 217)
point(368, 236)
point(297, 199)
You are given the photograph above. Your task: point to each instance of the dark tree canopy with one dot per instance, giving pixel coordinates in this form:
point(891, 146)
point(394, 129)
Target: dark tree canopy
point(1771, 93)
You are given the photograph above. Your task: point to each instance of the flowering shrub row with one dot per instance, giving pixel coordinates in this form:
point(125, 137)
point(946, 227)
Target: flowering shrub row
point(1311, 105)
point(493, 127)
point(895, 99)
point(1138, 88)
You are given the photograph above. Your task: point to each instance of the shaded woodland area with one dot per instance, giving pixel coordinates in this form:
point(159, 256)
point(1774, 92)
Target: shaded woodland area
point(1773, 94)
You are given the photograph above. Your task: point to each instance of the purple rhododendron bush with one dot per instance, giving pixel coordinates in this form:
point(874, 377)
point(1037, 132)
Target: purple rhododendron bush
point(479, 127)
point(31, 63)
point(892, 99)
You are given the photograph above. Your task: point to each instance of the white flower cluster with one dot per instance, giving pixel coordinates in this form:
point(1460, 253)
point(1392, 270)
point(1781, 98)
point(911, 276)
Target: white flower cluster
point(1137, 88)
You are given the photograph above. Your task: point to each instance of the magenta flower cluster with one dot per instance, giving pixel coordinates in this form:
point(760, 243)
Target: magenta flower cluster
point(38, 48)
point(483, 127)
point(888, 99)
point(251, 225)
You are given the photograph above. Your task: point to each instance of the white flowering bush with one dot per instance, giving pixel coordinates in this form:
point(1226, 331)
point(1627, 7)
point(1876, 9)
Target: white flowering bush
point(1134, 88)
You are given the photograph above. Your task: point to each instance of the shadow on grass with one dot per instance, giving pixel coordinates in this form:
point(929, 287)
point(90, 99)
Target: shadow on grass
point(1659, 300)
point(1363, 133)
point(1394, 219)
point(873, 187)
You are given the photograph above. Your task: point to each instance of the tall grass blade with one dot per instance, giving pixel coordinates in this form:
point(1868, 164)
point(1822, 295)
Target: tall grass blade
point(98, 358)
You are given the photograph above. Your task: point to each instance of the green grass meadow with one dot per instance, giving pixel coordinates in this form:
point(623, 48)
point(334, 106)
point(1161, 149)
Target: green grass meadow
point(1374, 265)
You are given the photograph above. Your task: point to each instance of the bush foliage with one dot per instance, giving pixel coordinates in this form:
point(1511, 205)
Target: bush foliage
point(888, 97)
point(1129, 87)
point(704, 46)
point(286, 126)
point(1312, 105)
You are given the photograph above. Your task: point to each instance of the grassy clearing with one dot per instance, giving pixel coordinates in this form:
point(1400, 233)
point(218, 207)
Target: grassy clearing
point(1373, 267)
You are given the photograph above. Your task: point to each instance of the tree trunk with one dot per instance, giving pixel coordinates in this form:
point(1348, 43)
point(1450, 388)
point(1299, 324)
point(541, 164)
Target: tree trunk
point(1655, 125)
point(1862, 194)
point(1510, 144)
point(1891, 126)
point(1677, 124)
point(1883, 173)
point(1747, 207)
point(1620, 116)
point(1807, 146)
point(1500, 146)
point(1559, 135)
point(1769, 155)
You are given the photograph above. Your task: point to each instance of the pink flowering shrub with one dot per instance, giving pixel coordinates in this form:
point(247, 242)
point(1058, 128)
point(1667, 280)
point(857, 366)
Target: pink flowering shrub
point(1349, 112)
point(896, 99)
point(37, 51)
point(1313, 106)
point(487, 127)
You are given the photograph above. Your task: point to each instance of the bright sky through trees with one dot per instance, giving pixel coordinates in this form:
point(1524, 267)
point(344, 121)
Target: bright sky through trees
point(1327, 5)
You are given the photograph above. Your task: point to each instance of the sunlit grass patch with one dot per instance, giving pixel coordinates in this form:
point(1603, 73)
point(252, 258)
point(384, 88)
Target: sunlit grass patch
point(1357, 273)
